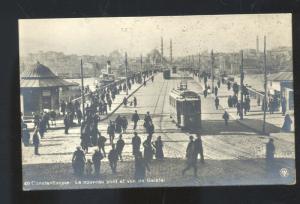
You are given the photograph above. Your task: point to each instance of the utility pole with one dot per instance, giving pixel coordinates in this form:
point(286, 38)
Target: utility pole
point(171, 56)
point(242, 84)
point(199, 67)
point(82, 91)
point(126, 64)
point(161, 51)
point(212, 72)
point(141, 62)
point(265, 86)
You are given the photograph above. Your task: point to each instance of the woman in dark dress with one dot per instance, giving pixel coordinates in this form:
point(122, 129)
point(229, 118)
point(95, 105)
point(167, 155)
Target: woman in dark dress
point(148, 150)
point(78, 162)
point(158, 144)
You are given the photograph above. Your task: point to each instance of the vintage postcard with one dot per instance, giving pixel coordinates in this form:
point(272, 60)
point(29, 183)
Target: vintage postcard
point(168, 101)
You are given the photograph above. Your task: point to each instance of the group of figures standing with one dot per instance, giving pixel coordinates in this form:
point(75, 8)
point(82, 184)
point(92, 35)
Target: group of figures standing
point(242, 108)
point(119, 126)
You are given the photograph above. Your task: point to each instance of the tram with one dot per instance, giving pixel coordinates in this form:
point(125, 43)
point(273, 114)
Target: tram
point(185, 108)
point(174, 70)
point(167, 74)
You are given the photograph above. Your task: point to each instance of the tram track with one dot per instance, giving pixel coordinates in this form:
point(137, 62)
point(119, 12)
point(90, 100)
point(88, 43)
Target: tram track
point(161, 115)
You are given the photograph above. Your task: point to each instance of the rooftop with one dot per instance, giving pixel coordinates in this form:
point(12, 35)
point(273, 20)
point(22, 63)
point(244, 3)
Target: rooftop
point(40, 76)
point(281, 76)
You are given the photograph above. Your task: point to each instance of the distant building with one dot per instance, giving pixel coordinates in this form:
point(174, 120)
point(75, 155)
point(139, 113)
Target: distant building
point(281, 83)
point(40, 89)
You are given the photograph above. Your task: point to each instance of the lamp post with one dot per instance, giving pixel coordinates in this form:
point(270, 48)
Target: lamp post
point(212, 72)
point(265, 87)
point(126, 64)
point(82, 90)
point(242, 84)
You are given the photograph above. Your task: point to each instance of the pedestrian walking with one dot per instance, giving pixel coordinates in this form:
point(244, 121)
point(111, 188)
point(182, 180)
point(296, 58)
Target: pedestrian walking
point(150, 129)
point(226, 117)
point(271, 106)
point(235, 88)
point(258, 101)
point(94, 133)
point(89, 167)
point(217, 101)
point(97, 157)
point(109, 103)
point(76, 105)
point(124, 123)
point(134, 101)
point(228, 85)
point(140, 167)
point(79, 116)
point(46, 119)
point(111, 131)
point(42, 127)
point(136, 143)
point(85, 136)
point(283, 105)
point(287, 124)
point(125, 101)
point(229, 101)
point(247, 104)
point(199, 147)
point(78, 162)
point(216, 91)
point(118, 123)
point(25, 135)
point(219, 83)
point(238, 108)
point(113, 159)
point(148, 150)
point(119, 147)
point(36, 119)
point(158, 145)
point(234, 100)
point(135, 118)
point(147, 119)
point(270, 151)
point(191, 157)
point(36, 142)
point(101, 143)
point(67, 123)
point(205, 93)
point(63, 108)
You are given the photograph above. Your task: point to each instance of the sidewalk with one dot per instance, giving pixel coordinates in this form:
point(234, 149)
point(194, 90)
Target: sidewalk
point(116, 104)
point(254, 118)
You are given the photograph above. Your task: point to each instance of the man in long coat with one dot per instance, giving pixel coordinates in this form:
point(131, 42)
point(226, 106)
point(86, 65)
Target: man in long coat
point(191, 157)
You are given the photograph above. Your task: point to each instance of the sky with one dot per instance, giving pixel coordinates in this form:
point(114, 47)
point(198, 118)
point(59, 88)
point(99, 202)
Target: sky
point(139, 35)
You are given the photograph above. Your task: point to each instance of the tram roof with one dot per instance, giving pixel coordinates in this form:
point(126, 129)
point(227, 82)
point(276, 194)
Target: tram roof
point(184, 94)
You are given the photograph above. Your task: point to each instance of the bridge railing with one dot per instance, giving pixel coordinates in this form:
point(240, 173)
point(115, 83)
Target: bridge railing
point(118, 82)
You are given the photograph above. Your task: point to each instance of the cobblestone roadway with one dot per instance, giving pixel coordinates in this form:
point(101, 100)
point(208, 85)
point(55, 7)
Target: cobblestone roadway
point(231, 143)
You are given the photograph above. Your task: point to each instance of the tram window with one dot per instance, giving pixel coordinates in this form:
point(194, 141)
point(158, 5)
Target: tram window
point(192, 107)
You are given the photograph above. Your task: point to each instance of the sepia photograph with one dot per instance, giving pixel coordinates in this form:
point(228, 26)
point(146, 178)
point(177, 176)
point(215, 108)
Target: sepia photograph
point(162, 101)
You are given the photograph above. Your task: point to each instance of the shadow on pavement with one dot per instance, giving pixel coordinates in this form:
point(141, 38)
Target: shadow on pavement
point(167, 173)
point(258, 124)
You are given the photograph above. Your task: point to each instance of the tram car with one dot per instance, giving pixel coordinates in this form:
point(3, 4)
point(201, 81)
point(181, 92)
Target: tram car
point(167, 74)
point(185, 109)
point(174, 70)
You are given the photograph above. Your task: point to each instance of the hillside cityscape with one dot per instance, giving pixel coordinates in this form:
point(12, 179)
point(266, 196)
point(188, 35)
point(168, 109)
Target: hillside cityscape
point(68, 66)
